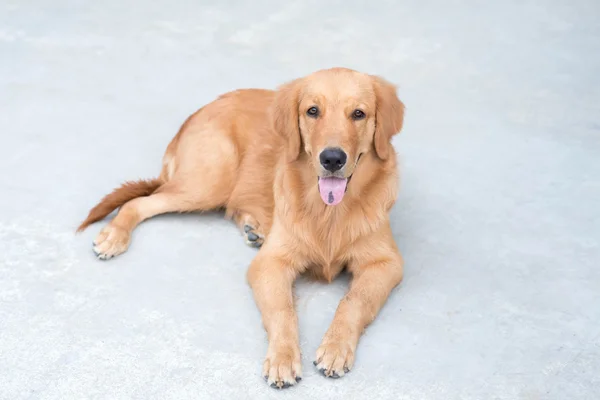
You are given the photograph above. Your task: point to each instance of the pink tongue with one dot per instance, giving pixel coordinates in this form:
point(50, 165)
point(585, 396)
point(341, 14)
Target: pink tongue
point(332, 190)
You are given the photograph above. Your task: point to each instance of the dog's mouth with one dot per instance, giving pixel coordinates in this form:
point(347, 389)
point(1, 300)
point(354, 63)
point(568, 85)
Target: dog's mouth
point(332, 188)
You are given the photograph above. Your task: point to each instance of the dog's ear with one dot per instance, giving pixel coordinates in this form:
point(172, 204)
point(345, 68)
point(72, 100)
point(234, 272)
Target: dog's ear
point(389, 116)
point(285, 117)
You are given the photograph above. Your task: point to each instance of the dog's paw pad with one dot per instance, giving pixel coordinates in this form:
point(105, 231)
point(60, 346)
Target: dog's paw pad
point(253, 237)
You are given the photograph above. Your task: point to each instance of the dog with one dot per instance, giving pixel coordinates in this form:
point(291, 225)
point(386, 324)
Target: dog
point(309, 174)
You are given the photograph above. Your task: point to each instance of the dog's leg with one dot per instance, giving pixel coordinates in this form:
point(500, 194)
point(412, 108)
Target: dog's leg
point(371, 285)
point(271, 279)
point(115, 237)
point(202, 180)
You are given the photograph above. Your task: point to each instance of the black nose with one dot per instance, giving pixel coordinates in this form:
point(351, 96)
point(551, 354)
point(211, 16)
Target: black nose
point(332, 159)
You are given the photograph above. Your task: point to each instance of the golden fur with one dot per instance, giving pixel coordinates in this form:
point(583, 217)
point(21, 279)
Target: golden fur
point(255, 153)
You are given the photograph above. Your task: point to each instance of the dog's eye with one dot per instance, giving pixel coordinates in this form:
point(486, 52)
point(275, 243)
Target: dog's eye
point(358, 114)
point(312, 112)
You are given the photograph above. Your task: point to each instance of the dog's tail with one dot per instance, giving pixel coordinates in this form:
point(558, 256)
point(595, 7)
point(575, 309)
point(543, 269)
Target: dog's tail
point(121, 195)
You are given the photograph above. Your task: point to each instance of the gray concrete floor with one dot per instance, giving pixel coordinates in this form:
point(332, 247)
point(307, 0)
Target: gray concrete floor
point(497, 218)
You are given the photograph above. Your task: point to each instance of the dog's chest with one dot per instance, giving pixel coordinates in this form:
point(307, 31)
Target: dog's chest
point(326, 272)
point(326, 247)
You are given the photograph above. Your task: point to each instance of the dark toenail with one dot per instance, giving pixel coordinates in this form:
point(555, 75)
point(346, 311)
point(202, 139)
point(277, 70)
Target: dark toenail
point(315, 363)
point(286, 385)
point(266, 377)
point(298, 378)
point(346, 370)
point(247, 228)
point(323, 371)
point(274, 385)
point(334, 375)
point(253, 237)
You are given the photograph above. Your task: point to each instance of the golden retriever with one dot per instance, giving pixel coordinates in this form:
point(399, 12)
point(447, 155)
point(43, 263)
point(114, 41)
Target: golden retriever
point(309, 174)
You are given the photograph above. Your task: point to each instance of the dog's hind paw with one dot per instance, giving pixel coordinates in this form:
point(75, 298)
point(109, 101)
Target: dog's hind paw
point(253, 237)
point(111, 241)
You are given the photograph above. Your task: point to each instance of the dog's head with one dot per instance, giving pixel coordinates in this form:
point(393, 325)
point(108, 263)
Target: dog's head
point(335, 116)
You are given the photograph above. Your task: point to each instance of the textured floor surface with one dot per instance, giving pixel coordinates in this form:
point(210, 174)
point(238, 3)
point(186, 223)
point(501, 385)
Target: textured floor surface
point(497, 218)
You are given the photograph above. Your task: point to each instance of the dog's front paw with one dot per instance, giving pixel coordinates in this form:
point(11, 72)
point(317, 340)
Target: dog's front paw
point(335, 358)
point(282, 367)
point(111, 241)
